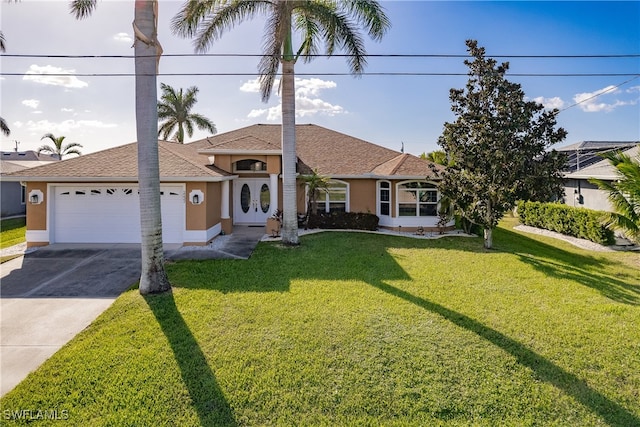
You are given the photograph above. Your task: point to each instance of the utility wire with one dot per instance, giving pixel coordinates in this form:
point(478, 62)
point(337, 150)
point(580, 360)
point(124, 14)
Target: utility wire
point(381, 55)
point(254, 74)
point(597, 94)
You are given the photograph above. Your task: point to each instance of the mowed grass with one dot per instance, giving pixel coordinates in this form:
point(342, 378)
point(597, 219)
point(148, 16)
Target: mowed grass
point(12, 232)
point(363, 330)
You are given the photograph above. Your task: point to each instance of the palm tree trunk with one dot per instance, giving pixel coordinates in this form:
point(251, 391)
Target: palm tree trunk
point(289, 156)
point(153, 278)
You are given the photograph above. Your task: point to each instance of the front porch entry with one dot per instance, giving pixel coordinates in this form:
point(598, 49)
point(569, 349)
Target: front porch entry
point(252, 200)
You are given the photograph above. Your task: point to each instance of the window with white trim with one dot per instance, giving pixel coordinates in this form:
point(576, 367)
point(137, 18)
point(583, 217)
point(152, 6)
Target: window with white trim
point(249, 165)
point(417, 198)
point(384, 198)
point(335, 198)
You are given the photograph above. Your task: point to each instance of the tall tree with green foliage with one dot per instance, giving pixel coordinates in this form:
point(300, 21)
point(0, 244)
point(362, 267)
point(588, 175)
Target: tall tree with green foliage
point(58, 148)
point(332, 23)
point(496, 143)
point(147, 51)
point(624, 194)
point(174, 108)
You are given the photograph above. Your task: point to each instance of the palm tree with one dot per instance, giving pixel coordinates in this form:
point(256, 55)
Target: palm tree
point(147, 51)
point(315, 184)
point(624, 194)
point(58, 149)
point(174, 108)
point(438, 156)
point(330, 21)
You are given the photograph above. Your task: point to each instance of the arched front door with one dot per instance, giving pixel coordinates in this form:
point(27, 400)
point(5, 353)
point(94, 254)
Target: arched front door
point(252, 201)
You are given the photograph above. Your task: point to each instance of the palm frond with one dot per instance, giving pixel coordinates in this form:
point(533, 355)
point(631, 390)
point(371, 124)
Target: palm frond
point(83, 8)
point(4, 128)
point(202, 123)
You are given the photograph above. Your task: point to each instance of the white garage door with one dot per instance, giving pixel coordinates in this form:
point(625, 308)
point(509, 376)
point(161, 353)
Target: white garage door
point(111, 214)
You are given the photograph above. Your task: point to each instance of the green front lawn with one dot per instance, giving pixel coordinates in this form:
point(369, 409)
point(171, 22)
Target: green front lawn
point(361, 329)
point(12, 232)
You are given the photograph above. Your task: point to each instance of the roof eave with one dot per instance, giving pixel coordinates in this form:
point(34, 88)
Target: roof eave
point(241, 152)
point(90, 179)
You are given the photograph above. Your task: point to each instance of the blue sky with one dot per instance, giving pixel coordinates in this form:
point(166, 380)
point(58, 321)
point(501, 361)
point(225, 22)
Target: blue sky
point(98, 111)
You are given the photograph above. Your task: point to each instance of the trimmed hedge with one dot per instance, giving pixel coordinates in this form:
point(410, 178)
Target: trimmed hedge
point(344, 221)
point(576, 222)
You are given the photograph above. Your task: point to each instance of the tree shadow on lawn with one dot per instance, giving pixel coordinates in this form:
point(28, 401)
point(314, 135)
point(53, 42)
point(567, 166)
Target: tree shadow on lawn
point(586, 270)
point(611, 412)
point(206, 395)
point(373, 264)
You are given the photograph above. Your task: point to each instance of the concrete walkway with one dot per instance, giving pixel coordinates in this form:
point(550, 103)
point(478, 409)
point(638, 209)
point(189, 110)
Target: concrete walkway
point(49, 295)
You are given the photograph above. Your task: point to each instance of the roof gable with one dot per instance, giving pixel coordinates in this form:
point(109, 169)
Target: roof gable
point(330, 152)
point(175, 160)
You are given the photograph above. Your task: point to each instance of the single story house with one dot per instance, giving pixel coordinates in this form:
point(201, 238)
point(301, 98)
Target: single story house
point(579, 192)
point(211, 185)
point(12, 194)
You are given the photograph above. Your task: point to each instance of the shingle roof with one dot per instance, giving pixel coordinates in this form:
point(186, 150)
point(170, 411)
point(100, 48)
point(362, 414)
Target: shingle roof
point(28, 155)
point(332, 153)
point(177, 161)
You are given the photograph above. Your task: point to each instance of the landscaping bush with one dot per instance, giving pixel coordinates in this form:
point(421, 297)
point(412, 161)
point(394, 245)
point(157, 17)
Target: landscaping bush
point(576, 222)
point(344, 221)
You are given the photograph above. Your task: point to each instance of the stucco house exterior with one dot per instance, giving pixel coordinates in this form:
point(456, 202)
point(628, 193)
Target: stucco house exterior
point(12, 194)
point(579, 192)
point(211, 185)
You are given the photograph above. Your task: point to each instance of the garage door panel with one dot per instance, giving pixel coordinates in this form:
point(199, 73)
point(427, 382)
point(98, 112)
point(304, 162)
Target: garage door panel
point(111, 214)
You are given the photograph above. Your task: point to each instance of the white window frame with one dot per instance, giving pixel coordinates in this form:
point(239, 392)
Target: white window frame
point(324, 202)
point(379, 200)
point(235, 166)
point(398, 200)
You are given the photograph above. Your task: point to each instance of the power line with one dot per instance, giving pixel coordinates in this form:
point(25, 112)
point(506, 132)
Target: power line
point(255, 74)
point(381, 55)
point(602, 92)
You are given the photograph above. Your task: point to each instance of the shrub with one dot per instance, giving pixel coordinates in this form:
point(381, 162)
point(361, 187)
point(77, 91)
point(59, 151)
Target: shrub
point(576, 222)
point(344, 220)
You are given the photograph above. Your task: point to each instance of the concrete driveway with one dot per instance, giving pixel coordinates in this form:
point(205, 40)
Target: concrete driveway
point(50, 295)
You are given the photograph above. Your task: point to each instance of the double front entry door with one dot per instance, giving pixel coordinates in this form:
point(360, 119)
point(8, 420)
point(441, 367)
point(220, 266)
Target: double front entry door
point(252, 200)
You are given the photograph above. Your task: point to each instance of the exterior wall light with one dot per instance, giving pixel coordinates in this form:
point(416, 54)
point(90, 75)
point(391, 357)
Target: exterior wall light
point(36, 197)
point(196, 197)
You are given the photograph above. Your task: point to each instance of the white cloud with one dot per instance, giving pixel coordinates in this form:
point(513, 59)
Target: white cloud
point(591, 102)
point(633, 89)
point(66, 110)
point(251, 86)
point(312, 87)
point(308, 102)
point(65, 126)
point(550, 103)
point(256, 113)
point(31, 103)
point(123, 37)
point(55, 76)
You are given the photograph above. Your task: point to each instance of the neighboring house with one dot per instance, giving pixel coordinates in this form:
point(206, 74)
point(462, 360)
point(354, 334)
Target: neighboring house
point(580, 192)
point(210, 185)
point(12, 194)
point(583, 154)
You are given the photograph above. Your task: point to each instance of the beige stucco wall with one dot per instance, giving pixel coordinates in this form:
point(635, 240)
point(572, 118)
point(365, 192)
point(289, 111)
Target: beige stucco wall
point(362, 195)
point(37, 214)
point(213, 198)
point(196, 215)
